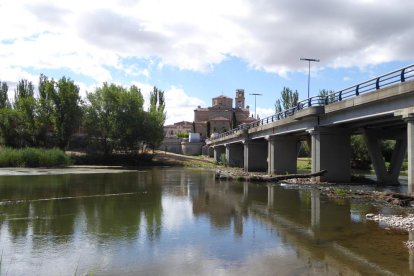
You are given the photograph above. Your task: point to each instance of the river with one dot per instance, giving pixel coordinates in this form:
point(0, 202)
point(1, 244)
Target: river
point(174, 221)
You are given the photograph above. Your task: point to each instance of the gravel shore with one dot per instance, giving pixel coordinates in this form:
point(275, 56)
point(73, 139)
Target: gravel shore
point(394, 221)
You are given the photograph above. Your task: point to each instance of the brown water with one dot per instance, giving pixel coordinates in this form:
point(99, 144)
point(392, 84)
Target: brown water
point(182, 222)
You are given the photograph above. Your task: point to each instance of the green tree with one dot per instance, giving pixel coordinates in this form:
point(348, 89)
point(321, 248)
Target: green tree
point(4, 99)
point(155, 119)
point(66, 114)
point(323, 93)
point(129, 119)
point(26, 104)
point(11, 127)
point(100, 116)
point(45, 109)
point(208, 129)
point(290, 98)
point(233, 121)
point(114, 117)
point(278, 106)
point(359, 152)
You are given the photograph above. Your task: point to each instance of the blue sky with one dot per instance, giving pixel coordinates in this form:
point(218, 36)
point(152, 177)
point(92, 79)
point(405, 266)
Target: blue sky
point(197, 49)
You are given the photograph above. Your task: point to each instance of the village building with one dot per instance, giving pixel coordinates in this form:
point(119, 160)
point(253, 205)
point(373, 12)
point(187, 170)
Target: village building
point(222, 116)
point(171, 131)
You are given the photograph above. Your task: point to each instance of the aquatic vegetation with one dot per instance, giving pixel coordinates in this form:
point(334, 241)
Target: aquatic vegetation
point(33, 157)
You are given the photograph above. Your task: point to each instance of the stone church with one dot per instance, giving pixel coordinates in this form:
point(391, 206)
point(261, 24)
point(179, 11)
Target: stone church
point(222, 116)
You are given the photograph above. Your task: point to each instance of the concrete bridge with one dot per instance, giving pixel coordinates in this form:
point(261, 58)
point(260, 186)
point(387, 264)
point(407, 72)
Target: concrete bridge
point(380, 108)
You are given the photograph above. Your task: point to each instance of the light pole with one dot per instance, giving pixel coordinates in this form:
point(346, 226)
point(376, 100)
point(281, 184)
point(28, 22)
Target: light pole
point(309, 61)
point(255, 94)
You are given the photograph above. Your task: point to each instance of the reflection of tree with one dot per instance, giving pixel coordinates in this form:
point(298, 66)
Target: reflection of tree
point(111, 204)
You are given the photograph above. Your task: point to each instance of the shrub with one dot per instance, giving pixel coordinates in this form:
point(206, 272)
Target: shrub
point(33, 157)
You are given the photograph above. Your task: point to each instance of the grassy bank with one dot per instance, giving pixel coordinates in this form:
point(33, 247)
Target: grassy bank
point(33, 157)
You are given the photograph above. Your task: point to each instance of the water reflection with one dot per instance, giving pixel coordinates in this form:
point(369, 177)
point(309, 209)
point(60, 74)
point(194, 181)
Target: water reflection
point(178, 221)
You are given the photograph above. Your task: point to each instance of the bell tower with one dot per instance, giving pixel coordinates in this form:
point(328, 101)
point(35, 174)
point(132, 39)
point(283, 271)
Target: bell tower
point(239, 100)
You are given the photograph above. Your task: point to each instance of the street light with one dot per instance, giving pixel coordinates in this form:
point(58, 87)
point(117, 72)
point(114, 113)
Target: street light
point(309, 60)
point(255, 94)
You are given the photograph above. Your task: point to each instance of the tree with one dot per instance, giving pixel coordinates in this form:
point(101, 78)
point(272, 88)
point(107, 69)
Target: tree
point(11, 127)
point(359, 152)
point(45, 109)
point(26, 104)
point(114, 117)
point(323, 93)
point(130, 118)
point(233, 121)
point(290, 98)
point(208, 129)
point(278, 106)
point(4, 99)
point(66, 110)
point(155, 119)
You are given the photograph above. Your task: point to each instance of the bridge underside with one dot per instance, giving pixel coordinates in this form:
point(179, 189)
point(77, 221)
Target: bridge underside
point(386, 114)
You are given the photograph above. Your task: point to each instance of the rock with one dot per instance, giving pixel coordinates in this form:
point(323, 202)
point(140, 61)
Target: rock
point(370, 215)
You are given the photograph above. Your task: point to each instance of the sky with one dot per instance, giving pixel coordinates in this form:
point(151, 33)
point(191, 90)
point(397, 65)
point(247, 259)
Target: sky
point(195, 50)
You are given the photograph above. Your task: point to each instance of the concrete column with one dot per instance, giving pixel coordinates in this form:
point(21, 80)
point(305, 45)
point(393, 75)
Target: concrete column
point(210, 152)
point(255, 155)
point(218, 151)
point(331, 151)
point(282, 154)
point(234, 155)
point(384, 176)
point(410, 142)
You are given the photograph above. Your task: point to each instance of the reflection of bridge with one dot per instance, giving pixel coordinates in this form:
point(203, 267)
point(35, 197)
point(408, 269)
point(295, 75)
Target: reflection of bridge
point(381, 108)
point(317, 229)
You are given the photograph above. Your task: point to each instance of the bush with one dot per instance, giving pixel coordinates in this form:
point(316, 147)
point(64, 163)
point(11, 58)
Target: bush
point(33, 157)
point(359, 153)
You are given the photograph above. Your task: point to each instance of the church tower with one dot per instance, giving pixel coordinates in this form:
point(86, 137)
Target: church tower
point(239, 100)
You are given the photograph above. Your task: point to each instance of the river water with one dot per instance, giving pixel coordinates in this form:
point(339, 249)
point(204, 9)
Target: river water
point(173, 221)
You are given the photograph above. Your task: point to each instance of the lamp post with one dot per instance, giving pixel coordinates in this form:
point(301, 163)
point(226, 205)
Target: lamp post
point(309, 61)
point(255, 94)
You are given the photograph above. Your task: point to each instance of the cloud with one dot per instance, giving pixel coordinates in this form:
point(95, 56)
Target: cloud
point(180, 106)
point(92, 38)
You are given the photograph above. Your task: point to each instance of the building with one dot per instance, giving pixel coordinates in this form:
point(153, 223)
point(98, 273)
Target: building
point(222, 116)
point(171, 131)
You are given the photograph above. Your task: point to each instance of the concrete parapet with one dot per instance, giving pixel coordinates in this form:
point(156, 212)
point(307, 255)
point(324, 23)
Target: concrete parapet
point(171, 145)
point(191, 148)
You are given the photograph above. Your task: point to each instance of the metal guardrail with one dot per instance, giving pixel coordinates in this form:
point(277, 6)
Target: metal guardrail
point(397, 76)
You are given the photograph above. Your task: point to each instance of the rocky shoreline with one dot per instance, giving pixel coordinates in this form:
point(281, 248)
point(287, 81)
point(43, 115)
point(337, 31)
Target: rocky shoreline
point(396, 221)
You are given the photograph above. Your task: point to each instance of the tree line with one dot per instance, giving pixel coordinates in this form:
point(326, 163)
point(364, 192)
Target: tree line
point(111, 118)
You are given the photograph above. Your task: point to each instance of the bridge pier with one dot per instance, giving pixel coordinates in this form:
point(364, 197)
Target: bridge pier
point(210, 152)
point(384, 176)
point(218, 151)
point(282, 154)
point(234, 155)
point(331, 151)
point(255, 155)
point(410, 142)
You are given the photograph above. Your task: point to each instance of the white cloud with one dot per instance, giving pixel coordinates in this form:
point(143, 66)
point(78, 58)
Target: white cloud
point(91, 38)
point(180, 106)
point(264, 112)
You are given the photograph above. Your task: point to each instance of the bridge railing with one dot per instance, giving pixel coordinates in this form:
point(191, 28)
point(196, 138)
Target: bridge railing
point(397, 76)
point(314, 101)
